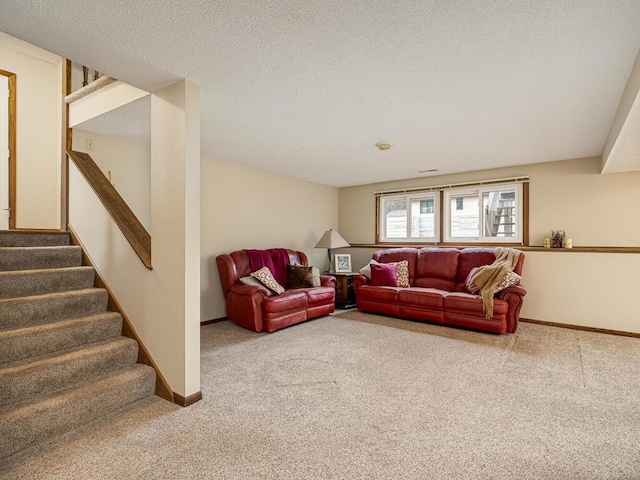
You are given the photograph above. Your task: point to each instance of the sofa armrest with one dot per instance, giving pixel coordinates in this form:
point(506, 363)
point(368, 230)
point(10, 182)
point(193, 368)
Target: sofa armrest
point(249, 290)
point(514, 297)
point(327, 281)
point(244, 306)
point(515, 290)
point(359, 280)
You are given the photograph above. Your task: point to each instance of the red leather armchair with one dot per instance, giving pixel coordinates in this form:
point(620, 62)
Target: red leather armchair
point(438, 292)
point(252, 308)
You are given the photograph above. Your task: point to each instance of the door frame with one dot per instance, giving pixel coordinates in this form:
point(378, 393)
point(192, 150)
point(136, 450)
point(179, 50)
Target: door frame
point(12, 146)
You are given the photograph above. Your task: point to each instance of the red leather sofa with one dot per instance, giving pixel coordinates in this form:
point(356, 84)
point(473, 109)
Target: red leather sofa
point(251, 307)
point(438, 292)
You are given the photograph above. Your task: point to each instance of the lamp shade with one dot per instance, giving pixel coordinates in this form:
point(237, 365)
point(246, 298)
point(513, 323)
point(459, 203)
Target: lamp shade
point(332, 239)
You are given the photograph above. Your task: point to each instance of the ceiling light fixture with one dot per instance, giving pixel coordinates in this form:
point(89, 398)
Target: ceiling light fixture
point(383, 146)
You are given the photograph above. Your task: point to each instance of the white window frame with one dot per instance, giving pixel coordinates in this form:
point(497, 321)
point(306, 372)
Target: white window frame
point(408, 198)
point(480, 190)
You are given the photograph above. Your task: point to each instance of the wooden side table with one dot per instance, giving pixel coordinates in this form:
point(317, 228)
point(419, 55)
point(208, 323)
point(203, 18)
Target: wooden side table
point(345, 291)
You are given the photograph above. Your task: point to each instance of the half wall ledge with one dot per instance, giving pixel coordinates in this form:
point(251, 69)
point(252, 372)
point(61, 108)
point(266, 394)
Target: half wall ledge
point(524, 248)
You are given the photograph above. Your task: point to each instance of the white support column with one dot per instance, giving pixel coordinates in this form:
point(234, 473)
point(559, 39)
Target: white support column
point(622, 149)
point(175, 233)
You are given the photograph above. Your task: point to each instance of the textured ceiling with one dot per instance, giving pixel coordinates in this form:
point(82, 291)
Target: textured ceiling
point(306, 88)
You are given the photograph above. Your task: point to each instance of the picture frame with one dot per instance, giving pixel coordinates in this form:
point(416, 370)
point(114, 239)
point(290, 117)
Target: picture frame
point(342, 263)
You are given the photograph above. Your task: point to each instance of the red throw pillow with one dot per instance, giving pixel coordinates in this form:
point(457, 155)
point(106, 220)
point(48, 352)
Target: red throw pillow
point(470, 286)
point(384, 275)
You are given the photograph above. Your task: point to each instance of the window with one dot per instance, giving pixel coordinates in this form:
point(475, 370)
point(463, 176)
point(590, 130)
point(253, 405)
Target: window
point(409, 218)
point(489, 212)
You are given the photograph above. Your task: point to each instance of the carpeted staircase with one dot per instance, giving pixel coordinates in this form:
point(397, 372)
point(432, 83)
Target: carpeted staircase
point(63, 361)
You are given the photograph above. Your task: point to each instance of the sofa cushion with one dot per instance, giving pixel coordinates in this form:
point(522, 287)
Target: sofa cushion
point(471, 305)
point(384, 275)
point(289, 300)
point(319, 295)
point(299, 276)
point(429, 298)
point(378, 294)
point(265, 277)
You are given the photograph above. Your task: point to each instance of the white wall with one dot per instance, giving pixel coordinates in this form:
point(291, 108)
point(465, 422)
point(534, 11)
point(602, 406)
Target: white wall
point(589, 289)
point(106, 99)
point(163, 304)
point(245, 208)
point(39, 123)
point(130, 166)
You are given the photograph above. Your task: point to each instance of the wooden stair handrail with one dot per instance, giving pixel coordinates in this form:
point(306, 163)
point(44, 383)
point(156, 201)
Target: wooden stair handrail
point(126, 220)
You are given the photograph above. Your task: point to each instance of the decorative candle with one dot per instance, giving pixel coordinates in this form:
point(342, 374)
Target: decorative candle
point(547, 243)
point(568, 243)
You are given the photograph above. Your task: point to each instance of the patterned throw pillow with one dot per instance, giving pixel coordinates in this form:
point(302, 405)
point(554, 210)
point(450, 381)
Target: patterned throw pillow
point(403, 273)
point(509, 281)
point(472, 286)
point(265, 277)
point(299, 276)
point(384, 275)
point(254, 282)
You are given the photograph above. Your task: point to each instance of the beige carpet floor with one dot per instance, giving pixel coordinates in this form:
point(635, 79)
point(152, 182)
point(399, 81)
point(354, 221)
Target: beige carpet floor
point(356, 396)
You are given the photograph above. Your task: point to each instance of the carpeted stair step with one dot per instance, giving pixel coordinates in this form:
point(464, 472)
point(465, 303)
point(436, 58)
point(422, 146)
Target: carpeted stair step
point(27, 424)
point(28, 379)
point(12, 238)
point(38, 309)
point(37, 282)
point(53, 337)
point(36, 258)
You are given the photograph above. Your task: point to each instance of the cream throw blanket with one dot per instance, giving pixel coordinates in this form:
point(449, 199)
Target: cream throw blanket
point(488, 277)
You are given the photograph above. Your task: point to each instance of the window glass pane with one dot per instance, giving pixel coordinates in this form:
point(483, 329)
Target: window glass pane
point(422, 218)
point(395, 218)
point(499, 213)
point(426, 206)
point(464, 221)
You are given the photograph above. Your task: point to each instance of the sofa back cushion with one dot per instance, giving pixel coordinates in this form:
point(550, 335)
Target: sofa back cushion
point(437, 268)
point(397, 255)
point(477, 257)
point(470, 258)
